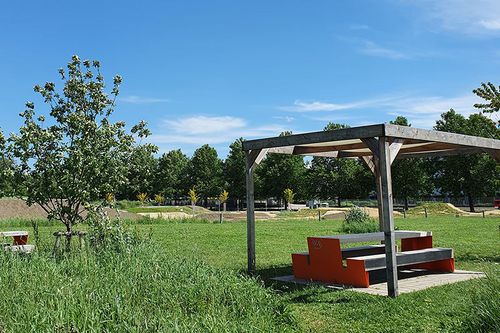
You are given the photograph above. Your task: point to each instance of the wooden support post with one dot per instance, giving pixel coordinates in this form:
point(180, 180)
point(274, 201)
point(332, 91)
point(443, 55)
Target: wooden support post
point(384, 168)
point(250, 160)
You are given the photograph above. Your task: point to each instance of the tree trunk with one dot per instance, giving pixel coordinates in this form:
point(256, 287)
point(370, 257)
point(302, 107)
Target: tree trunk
point(338, 201)
point(471, 203)
point(406, 203)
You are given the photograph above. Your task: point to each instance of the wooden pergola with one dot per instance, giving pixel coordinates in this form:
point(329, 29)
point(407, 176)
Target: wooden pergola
point(378, 146)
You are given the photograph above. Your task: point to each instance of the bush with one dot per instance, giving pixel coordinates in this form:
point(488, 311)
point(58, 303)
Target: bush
point(484, 315)
point(146, 290)
point(357, 221)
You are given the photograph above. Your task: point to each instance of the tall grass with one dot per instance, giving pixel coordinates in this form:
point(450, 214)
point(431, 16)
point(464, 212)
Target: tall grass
point(146, 290)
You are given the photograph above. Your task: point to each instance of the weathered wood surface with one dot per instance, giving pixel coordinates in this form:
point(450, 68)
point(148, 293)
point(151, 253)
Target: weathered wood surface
point(250, 159)
point(20, 248)
point(378, 261)
point(376, 236)
point(13, 233)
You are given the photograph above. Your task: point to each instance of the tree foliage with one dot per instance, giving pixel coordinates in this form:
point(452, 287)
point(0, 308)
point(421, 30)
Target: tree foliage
point(338, 178)
point(471, 175)
point(491, 94)
point(234, 170)
point(410, 177)
point(278, 172)
point(171, 175)
point(205, 172)
point(73, 158)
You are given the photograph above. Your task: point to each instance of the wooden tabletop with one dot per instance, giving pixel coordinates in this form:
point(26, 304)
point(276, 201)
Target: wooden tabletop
point(13, 233)
point(377, 236)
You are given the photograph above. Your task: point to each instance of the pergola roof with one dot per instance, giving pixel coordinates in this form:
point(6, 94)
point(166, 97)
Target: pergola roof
point(350, 142)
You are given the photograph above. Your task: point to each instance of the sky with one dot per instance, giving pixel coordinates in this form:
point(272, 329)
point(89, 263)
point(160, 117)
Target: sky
point(213, 71)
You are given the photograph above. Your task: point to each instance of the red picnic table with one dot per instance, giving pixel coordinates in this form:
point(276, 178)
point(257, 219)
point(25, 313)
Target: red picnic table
point(19, 241)
point(327, 262)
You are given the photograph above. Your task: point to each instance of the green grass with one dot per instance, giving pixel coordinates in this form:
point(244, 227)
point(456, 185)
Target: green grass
point(448, 308)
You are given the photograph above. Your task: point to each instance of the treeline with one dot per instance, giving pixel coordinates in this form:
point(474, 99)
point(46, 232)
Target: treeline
point(173, 174)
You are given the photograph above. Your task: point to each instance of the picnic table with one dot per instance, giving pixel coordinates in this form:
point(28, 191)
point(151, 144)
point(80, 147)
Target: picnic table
point(19, 241)
point(327, 261)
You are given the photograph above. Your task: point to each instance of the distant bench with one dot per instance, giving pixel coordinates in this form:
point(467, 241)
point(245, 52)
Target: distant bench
point(19, 241)
point(326, 261)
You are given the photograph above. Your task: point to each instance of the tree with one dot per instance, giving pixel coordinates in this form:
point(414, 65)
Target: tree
point(410, 177)
point(171, 175)
point(278, 172)
point(205, 171)
point(141, 171)
point(337, 178)
point(472, 175)
point(70, 162)
point(6, 169)
point(489, 92)
point(234, 171)
point(222, 201)
point(288, 195)
point(193, 196)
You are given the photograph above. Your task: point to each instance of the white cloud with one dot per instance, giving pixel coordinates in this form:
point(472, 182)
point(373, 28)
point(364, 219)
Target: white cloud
point(205, 125)
point(473, 17)
point(421, 111)
point(288, 119)
point(199, 130)
point(133, 99)
point(373, 49)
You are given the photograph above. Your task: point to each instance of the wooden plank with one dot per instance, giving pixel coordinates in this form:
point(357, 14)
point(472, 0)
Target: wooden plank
point(442, 153)
point(369, 161)
point(405, 132)
point(395, 147)
point(376, 236)
point(377, 261)
point(13, 233)
point(387, 216)
point(19, 248)
point(372, 144)
point(250, 212)
point(301, 150)
point(252, 157)
point(316, 137)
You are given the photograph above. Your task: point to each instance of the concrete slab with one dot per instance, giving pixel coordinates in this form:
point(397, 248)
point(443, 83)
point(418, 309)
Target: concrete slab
point(409, 281)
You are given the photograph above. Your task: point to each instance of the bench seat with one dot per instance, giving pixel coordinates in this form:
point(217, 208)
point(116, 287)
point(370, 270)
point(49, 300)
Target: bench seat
point(377, 261)
point(20, 248)
point(351, 252)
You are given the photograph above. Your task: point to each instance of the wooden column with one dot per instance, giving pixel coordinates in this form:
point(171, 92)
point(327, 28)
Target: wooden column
point(253, 158)
point(387, 216)
point(250, 214)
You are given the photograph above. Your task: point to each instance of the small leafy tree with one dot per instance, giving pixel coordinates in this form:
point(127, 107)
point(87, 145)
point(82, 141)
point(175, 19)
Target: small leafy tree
point(222, 201)
point(159, 199)
point(142, 197)
point(288, 195)
point(193, 196)
point(109, 198)
point(491, 94)
point(67, 164)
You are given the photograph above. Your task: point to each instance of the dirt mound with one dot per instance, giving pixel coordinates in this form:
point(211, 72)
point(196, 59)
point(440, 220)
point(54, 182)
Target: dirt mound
point(18, 209)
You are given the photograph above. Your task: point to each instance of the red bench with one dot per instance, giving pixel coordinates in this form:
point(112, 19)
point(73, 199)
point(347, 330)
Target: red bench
point(327, 262)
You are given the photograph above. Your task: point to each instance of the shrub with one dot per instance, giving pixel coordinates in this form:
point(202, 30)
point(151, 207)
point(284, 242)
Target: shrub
point(146, 290)
point(358, 221)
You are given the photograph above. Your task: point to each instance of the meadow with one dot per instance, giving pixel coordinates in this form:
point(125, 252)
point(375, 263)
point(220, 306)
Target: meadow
point(190, 277)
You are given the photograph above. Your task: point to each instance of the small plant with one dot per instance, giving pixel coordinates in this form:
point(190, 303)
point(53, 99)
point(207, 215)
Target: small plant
point(159, 199)
point(142, 197)
point(222, 200)
point(288, 194)
point(109, 198)
point(357, 221)
point(193, 196)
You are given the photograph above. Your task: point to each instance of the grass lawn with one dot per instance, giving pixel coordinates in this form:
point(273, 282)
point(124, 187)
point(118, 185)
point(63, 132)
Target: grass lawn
point(476, 242)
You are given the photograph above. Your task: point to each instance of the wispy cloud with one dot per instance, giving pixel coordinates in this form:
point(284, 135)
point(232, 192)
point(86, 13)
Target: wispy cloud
point(359, 27)
point(372, 49)
point(288, 119)
point(133, 99)
point(199, 130)
point(479, 17)
point(421, 111)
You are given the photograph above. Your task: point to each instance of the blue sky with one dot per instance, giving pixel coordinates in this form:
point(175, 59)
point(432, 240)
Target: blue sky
point(212, 71)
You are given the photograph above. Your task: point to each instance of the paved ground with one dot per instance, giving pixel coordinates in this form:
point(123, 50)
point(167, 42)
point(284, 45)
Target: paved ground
point(409, 281)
